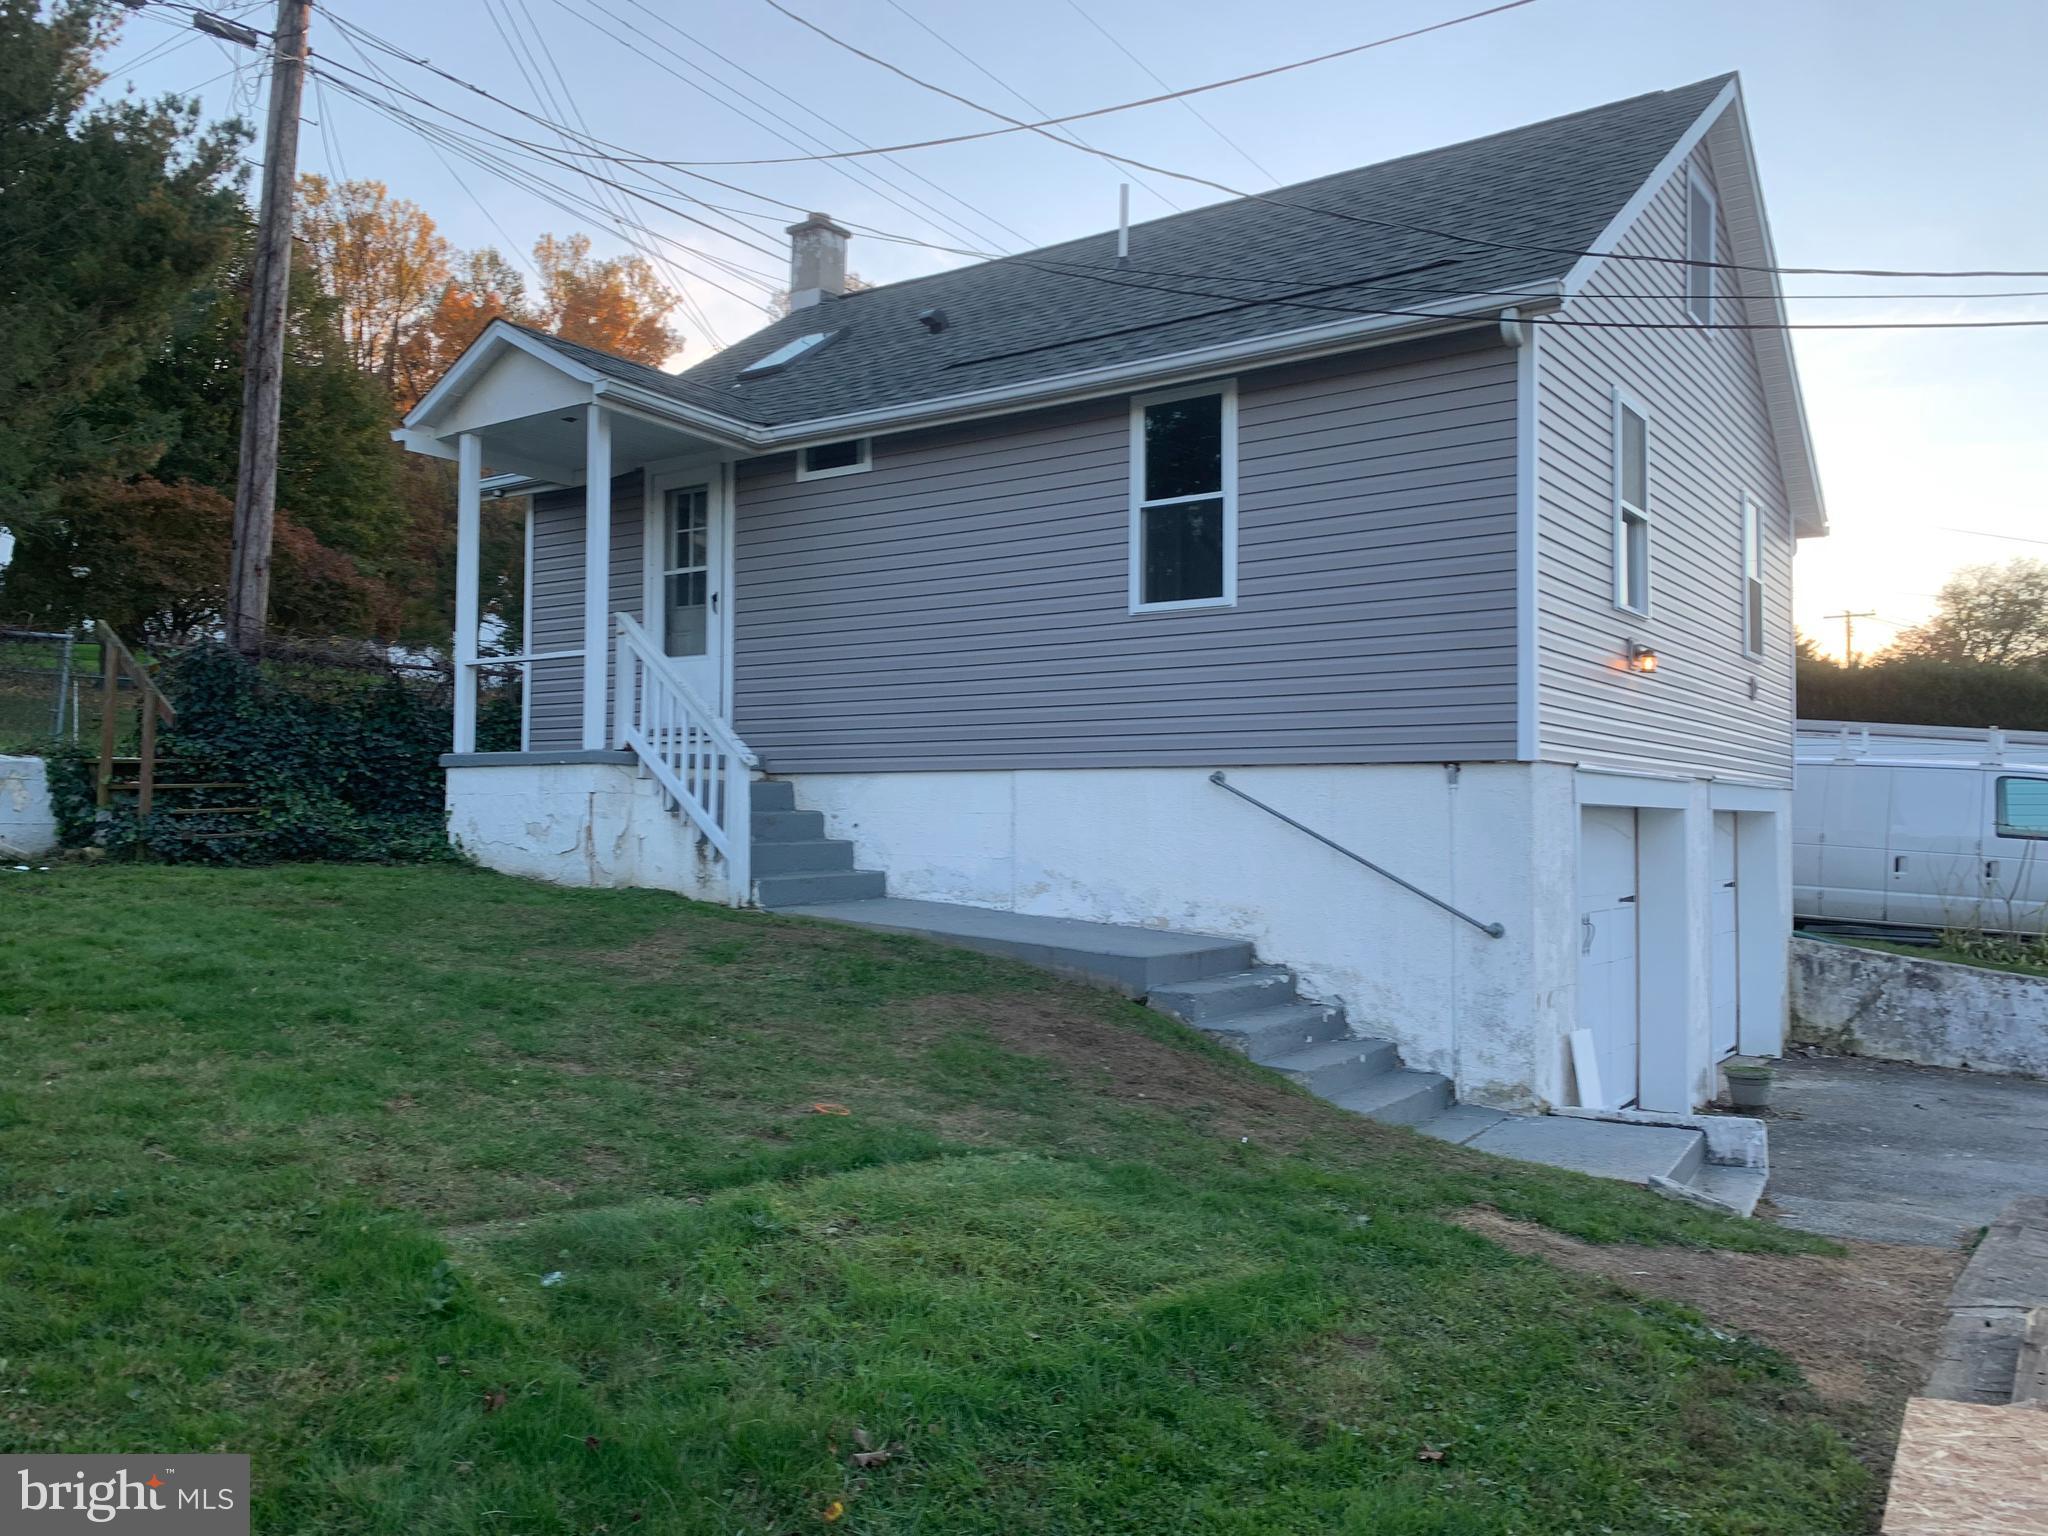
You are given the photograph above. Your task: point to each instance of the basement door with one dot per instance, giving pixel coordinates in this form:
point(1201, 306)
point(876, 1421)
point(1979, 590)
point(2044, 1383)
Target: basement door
point(1609, 1003)
point(1727, 975)
point(688, 545)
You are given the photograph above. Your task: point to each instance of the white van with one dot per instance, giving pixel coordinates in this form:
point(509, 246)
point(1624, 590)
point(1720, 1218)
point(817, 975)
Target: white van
point(1920, 826)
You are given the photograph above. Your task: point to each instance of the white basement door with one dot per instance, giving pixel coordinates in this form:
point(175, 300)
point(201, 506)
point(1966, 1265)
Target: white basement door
point(1727, 955)
point(1608, 1004)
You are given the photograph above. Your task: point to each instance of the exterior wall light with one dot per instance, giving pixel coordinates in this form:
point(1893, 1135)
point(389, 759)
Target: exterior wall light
point(1641, 658)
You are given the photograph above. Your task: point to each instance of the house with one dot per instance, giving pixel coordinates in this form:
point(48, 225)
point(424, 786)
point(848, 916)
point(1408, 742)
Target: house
point(1445, 508)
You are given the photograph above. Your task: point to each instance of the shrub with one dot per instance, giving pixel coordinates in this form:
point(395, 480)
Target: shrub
point(341, 755)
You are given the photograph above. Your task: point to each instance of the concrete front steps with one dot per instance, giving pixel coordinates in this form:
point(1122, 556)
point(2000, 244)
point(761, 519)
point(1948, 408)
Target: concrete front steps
point(1218, 986)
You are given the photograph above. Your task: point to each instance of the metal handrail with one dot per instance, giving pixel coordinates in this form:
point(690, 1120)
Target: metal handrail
point(1491, 930)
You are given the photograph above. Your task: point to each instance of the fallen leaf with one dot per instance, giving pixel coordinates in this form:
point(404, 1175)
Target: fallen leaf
point(494, 1399)
point(862, 1439)
point(822, 1108)
point(591, 1442)
point(444, 1361)
point(1430, 1453)
point(832, 1511)
point(874, 1458)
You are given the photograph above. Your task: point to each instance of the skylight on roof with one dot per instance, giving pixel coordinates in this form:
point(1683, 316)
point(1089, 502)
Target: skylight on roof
point(787, 353)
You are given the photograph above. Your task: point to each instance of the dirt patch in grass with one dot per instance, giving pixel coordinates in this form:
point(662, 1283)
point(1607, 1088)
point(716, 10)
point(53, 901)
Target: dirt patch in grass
point(1861, 1326)
point(1111, 1057)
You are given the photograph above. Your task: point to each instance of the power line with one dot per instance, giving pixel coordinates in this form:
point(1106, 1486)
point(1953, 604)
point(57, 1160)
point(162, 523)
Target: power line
point(1978, 533)
point(1003, 84)
point(769, 85)
point(541, 152)
point(547, 192)
point(875, 185)
point(1074, 117)
point(1303, 301)
point(1153, 75)
point(1237, 192)
point(538, 83)
point(606, 151)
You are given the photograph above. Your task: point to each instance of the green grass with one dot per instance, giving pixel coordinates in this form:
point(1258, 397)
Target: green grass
point(1951, 956)
point(286, 1154)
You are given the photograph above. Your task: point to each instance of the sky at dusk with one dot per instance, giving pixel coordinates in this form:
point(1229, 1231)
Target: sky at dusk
point(1890, 135)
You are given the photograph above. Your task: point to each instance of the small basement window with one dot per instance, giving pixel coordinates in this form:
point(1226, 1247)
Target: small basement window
point(821, 461)
point(2023, 807)
point(1184, 500)
point(786, 354)
point(1631, 505)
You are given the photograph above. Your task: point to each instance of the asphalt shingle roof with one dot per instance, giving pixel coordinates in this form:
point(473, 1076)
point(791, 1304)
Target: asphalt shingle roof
point(1539, 194)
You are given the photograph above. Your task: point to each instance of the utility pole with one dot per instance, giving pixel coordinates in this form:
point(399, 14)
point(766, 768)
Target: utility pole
point(1849, 632)
point(263, 343)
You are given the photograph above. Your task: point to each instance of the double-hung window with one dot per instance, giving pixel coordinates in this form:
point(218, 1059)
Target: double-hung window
point(1631, 504)
point(1701, 215)
point(1752, 578)
point(1184, 499)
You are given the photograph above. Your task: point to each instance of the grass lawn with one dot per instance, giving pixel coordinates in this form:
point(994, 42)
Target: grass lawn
point(1951, 956)
point(471, 1205)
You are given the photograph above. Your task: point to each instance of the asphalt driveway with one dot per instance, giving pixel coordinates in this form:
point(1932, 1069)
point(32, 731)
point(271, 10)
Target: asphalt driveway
point(1903, 1154)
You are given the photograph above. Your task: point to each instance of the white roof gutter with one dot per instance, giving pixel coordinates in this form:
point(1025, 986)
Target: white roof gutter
point(1161, 372)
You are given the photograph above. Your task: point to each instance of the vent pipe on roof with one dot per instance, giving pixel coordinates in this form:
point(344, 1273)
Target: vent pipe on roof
point(1123, 224)
point(817, 261)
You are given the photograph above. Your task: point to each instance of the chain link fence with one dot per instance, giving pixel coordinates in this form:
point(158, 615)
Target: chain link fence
point(49, 687)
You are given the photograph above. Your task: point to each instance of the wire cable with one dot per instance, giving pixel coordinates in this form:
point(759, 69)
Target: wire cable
point(1002, 84)
point(1153, 75)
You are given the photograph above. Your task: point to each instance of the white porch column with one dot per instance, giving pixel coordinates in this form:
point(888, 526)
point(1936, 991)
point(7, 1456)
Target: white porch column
point(597, 575)
point(469, 458)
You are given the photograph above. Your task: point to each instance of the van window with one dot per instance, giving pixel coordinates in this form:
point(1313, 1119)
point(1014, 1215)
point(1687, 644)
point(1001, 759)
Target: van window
point(2023, 808)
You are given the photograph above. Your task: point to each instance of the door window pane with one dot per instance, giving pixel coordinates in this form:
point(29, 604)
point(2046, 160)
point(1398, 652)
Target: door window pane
point(1183, 552)
point(1184, 448)
point(2023, 807)
point(686, 574)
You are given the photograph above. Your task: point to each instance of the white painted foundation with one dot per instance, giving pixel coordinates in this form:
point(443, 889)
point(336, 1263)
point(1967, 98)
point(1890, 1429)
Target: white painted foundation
point(594, 824)
point(1166, 848)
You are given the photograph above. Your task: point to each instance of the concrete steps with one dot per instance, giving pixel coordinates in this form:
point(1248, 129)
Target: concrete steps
point(795, 863)
point(1216, 985)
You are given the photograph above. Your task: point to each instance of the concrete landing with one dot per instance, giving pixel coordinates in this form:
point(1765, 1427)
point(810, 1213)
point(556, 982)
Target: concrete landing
point(1607, 1150)
point(1133, 960)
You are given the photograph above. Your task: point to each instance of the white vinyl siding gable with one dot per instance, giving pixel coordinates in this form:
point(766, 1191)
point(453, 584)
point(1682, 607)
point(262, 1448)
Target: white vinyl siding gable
point(1710, 445)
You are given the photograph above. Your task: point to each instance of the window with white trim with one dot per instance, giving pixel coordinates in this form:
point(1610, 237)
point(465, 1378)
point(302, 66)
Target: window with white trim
point(821, 461)
point(1752, 577)
point(1184, 499)
point(1701, 216)
point(1631, 505)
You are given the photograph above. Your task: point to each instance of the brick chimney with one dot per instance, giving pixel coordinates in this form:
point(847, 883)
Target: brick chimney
point(817, 261)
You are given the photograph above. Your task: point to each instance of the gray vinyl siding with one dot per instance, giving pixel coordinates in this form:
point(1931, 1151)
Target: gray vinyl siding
point(1710, 442)
point(964, 603)
point(555, 708)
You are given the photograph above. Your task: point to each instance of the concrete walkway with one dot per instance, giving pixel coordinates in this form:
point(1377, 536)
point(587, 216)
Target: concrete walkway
point(1903, 1154)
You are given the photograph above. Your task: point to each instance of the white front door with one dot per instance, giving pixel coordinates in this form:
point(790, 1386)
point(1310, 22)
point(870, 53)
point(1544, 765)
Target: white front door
point(1608, 1001)
point(688, 602)
point(1727, 985)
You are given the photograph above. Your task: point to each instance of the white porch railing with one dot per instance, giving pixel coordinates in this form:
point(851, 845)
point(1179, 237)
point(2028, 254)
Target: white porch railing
point(691, 753)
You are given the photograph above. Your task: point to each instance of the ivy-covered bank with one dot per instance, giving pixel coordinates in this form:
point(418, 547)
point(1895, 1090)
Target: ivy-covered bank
point(339, 762)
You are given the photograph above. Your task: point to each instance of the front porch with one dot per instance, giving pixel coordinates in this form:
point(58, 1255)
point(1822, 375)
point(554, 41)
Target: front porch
point(628, 764)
